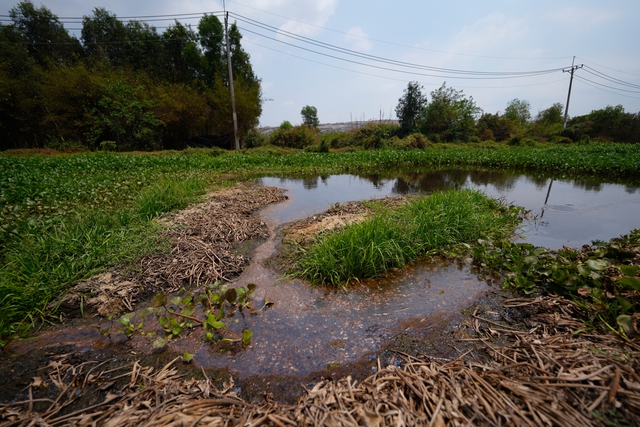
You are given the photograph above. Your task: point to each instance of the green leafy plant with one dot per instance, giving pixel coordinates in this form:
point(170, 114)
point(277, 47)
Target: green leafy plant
point(211, 310)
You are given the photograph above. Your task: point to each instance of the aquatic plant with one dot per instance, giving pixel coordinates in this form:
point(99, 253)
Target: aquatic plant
point(602, 278)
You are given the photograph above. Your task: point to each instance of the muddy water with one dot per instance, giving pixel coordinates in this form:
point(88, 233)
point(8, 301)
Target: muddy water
point(309, 329)
point(563, 212)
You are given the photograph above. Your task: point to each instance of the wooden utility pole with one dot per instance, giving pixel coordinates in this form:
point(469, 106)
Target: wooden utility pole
point(571, 70)
point(236, 144)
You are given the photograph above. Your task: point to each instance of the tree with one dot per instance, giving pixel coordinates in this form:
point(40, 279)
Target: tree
point(240, 64)
point(409, 107)
point(550, 116)
point(495, 127)
point(211, 34)
point(310, 116)
point(103, 36)
point(518, 111)
point(43, 35)
point(450, 115)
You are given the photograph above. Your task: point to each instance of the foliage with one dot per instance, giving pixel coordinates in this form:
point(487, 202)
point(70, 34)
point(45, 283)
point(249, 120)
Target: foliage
point(410, 106)
point(518, 111)
point(450, 115)
point(124, 79)
point(310, 116)
point(495, 127)
point(609, 124)
point(254, 138)
point(602, 278)
point(294, 137)
point(547, 123)
point(392, 238)
point(125, 116)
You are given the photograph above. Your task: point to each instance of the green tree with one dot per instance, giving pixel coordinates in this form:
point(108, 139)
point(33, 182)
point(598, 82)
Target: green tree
point(518, 111)
point(103, 37)
point(495, 127)
point(43, 35)
point(181, 59)
point(310, 116)
point(450, 115)
point(125, 116)
point(211, 33)
point(409, 107)
point(550, 116)
point(240, 64)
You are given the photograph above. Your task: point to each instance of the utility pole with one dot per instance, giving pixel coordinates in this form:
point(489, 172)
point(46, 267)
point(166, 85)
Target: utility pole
point(571, 70)
point(236, 144)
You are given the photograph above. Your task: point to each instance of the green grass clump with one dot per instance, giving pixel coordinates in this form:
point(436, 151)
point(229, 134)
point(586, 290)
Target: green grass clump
point(393, 237)
point(40, 264)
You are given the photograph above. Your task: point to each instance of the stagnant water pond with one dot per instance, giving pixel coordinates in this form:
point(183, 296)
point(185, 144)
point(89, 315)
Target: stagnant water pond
point(308, 329)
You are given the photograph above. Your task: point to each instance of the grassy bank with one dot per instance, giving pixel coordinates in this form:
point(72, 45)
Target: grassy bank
point(393, 237)
point(64, 218)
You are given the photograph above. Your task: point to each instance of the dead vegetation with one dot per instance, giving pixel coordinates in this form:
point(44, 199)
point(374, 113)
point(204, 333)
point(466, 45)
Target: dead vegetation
point(550, 375)
point(203, 238)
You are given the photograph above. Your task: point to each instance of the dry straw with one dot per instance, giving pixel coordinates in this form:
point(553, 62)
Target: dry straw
point(547, 376)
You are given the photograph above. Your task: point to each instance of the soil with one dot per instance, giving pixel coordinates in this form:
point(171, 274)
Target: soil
point(503, 361)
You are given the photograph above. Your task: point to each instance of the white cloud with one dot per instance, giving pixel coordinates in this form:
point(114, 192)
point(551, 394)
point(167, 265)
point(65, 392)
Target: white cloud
point(358, 39)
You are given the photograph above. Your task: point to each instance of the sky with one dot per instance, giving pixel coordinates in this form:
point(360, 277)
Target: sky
point(361, 55)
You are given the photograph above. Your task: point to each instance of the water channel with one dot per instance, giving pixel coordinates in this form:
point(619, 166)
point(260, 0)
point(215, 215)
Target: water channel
point(308, 329)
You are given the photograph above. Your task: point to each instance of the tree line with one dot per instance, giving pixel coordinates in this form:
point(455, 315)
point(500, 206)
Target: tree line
point(122, 85)
point(452, 116)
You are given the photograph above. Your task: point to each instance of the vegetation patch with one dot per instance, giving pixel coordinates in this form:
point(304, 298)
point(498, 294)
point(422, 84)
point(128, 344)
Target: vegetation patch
point(390, 238)
point(603, 278)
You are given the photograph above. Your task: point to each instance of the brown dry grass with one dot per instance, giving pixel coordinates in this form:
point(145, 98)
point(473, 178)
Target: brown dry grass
point(551, 375)
point(202, 251)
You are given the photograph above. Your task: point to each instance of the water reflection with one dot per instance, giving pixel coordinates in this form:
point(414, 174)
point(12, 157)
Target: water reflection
point(564, 212)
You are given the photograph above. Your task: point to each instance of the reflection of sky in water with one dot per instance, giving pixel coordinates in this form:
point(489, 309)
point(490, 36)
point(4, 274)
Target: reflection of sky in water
point(576, 212)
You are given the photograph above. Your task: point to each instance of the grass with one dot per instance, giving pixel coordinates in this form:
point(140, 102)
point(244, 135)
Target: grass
point(393, 237)
point(65, 217)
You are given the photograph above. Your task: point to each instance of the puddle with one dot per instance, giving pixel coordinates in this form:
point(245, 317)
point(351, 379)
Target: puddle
point(564, 212)
point(309, 329)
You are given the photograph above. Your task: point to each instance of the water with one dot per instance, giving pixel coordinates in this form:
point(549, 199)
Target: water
point(308, 329)
point(568, 213)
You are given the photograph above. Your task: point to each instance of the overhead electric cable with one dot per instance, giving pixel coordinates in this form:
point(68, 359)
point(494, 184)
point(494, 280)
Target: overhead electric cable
point(392, 78)
point(583, 80)
point(393, 69)
point(609, 78)
point(392, 43)
point(382, 59)
point(608, 68)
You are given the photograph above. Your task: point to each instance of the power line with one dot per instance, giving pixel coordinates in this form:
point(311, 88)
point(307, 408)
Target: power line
point(382, 59)
point(612, 69)
point(392, 78)
point(583, 80)
point(392, 43)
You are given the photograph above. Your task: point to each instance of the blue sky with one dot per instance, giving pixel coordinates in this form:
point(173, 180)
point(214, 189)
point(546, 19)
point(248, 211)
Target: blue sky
point(488, 36)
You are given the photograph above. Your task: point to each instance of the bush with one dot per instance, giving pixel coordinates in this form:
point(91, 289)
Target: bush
point(255, 138)
point(70, 146)
point(108, 146)
point(295, 137)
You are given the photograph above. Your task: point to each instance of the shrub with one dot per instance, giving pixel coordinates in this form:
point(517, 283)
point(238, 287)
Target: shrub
point(295, 137)
point(108, 146)
point(255, 138)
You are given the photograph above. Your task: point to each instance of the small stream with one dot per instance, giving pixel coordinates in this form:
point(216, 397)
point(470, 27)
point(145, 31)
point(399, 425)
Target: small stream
point(308, 329)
